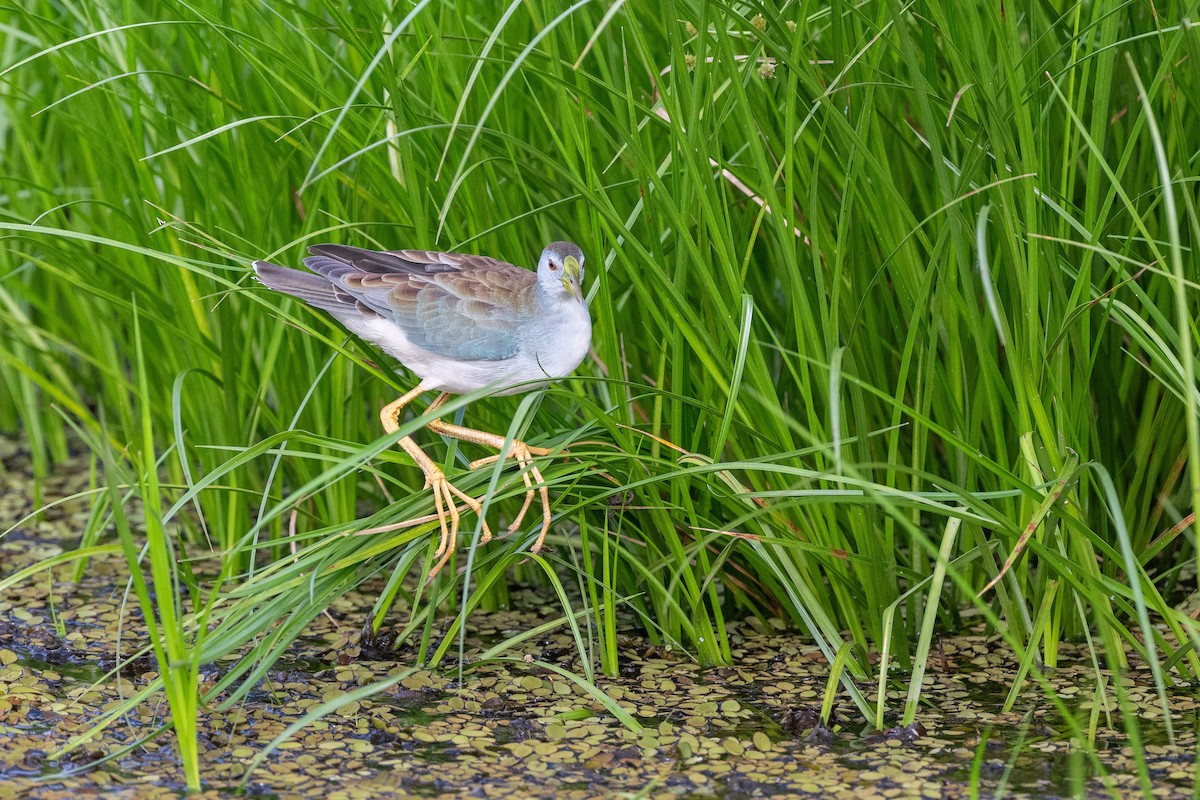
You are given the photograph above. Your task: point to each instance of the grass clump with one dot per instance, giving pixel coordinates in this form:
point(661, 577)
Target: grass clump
point(890, 305)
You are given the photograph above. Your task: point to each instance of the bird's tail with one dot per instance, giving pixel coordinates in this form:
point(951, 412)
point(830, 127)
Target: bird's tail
point(312, 289)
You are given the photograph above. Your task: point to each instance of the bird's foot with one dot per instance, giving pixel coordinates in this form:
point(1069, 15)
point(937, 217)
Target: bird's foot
point(444, 502)
point(524, 454)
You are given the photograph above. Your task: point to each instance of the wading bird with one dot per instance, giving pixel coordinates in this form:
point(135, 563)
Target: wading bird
point(461, 323)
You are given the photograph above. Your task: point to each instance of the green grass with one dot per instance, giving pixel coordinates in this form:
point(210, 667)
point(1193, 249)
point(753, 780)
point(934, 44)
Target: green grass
point(877, 289)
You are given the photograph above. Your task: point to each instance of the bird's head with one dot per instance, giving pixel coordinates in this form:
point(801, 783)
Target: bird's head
point(560, 269)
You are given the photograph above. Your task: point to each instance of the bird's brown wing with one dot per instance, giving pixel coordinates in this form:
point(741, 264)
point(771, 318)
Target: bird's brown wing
point(460, 306)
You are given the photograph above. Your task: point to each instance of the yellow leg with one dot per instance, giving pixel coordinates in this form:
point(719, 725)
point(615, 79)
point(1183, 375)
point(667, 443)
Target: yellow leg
point(522, 452)
point(444, 492)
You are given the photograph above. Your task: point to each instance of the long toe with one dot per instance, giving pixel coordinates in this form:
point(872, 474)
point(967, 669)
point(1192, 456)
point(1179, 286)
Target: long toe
point(516, 523)
point(472, 503)
point(446, 548)
point(448, 531)
point(541, 539)
point(445, 494)
point(546, 516)
point(444, 503)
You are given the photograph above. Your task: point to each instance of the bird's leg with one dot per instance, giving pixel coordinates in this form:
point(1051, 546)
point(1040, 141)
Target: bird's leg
point(444, 492)
point(517, 449)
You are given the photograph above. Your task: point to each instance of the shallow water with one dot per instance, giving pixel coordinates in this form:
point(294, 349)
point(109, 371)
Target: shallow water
point(516, 731)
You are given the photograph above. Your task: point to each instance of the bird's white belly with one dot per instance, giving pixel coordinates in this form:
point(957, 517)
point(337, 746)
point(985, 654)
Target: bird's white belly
point(531, 368)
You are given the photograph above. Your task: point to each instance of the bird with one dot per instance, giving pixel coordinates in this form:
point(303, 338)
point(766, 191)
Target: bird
point(460, 323)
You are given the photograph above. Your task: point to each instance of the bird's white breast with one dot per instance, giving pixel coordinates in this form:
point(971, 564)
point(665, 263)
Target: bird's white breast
point(560, 353)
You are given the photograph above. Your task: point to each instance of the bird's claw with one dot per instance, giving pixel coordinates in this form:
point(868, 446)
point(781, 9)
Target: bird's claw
point(444, 502)
point(524, 454)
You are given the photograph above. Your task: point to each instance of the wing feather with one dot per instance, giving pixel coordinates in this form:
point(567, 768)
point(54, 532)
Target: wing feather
point(460, 306)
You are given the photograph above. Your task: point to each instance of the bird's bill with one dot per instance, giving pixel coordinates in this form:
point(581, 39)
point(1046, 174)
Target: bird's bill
point(570, 279)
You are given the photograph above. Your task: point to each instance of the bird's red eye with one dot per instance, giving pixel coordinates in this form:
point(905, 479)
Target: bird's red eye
point(553, 267)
